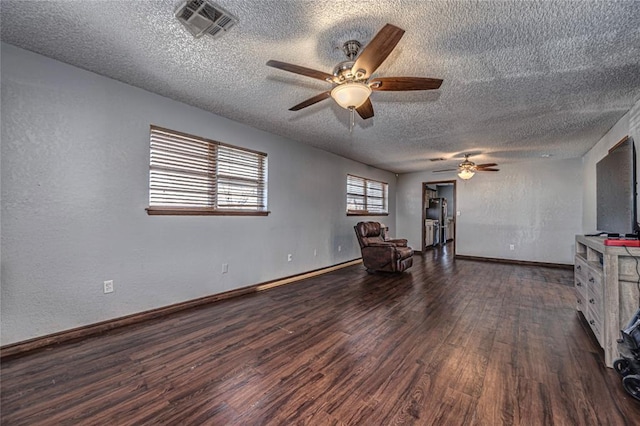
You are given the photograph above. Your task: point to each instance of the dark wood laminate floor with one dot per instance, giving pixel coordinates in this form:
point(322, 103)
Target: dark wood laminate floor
point(449, 343)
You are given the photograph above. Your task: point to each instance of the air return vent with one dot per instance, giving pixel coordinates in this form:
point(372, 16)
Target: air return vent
point(203, 17)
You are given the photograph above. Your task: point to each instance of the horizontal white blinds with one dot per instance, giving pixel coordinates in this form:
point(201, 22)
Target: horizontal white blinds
point(366, 195)
point(241, 183)
point(187, 171)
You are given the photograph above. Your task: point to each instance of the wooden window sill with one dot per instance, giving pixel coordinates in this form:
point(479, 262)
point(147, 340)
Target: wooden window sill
point(366, 214)
point(190, 211)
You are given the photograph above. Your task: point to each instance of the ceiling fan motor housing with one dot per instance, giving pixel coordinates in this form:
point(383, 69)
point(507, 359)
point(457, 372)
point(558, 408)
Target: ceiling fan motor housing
point(351, 48)
point(343, 70)
point(467, 164)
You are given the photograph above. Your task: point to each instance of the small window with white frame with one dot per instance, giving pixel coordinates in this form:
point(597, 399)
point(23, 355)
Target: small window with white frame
point(190, 175)
point(367, 197)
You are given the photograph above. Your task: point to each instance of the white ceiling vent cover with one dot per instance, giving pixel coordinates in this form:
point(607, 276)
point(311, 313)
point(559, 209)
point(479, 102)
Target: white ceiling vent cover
point(204, 17)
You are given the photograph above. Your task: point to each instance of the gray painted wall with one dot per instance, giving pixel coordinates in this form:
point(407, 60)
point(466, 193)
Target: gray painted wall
point(74, 187)
point(536, 206)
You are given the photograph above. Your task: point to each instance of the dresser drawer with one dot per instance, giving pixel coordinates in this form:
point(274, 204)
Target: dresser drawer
point(580, 267)
point(595, 289)
point(595, 305)
point(595, 322)
point(581, 303)
point(594, 277)
point(594, 311)
point(580, 285)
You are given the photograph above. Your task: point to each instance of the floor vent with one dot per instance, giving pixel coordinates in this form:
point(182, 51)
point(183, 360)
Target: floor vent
point(204, 17)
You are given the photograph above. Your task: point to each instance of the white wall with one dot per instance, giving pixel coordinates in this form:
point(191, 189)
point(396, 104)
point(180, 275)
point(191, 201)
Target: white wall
point(628, 125)
point(536, 206)
point(74, 187)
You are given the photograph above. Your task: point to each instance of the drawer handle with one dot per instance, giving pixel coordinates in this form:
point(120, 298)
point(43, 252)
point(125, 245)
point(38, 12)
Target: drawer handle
point(591, 280)
point(578, 283)
point(579, 268)
point(592, 301)
point(592, 322)
point(579, 302)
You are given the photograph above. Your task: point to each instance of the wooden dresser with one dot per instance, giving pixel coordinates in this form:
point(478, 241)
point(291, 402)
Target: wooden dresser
point(606, 285)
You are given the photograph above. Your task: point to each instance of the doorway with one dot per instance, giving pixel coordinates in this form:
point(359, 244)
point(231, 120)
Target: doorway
point(438, 223)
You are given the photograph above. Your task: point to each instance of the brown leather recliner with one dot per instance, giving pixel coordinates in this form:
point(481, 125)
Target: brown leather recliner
point(379, 254)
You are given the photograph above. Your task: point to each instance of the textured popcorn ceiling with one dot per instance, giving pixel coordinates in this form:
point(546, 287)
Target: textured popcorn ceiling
point(521, 78)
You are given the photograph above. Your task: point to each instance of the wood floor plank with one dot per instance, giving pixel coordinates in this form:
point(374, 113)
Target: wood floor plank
point(497, 403)
point(449, 342)
point(455, 409)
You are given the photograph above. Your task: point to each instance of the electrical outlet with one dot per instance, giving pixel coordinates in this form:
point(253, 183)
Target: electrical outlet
point(289, 257)
point(315, 252)
point(512, 247)
point(225, 268)
point(108, 286)
point(339, 248)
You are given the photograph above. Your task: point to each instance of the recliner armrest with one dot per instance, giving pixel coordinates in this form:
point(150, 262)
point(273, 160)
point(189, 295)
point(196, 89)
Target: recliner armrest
point(381, 244)
point(400, 242)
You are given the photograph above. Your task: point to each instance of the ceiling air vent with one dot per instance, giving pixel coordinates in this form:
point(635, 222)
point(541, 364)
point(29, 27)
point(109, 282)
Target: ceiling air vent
point(203, 17)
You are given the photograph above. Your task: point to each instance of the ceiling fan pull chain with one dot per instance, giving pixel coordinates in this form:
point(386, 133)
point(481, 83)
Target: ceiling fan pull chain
point(352, 120)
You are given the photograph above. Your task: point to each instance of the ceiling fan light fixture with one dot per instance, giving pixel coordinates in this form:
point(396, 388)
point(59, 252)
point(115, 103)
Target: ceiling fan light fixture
point(351, 95)
point(466, 174)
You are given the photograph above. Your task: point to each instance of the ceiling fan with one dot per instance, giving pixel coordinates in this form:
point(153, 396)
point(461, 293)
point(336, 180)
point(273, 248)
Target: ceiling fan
point(468, 168)
point(352, 78)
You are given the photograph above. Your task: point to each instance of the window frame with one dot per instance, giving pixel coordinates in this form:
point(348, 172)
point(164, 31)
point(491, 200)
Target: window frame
point(214, 180)
point(366, 196)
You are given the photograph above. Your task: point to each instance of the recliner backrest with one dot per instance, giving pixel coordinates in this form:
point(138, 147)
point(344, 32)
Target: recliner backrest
point(368, 232)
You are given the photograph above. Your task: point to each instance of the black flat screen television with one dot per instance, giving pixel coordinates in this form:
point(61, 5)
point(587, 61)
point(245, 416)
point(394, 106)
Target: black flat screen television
point(617, 210)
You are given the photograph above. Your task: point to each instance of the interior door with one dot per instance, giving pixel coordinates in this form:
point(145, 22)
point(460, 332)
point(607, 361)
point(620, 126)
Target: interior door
point(427, 192)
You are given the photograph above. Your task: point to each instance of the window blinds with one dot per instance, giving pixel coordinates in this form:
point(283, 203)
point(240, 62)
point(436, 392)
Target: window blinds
point(191, 172)
point(366, 196)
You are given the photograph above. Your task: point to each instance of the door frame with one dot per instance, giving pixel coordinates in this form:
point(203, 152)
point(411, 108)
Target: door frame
point(424, 185)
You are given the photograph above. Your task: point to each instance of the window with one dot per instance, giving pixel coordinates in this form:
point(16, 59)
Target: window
point(366, 197)
point(195, 176)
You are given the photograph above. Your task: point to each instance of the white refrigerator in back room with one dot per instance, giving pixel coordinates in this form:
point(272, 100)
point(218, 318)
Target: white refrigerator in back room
point(437, 211)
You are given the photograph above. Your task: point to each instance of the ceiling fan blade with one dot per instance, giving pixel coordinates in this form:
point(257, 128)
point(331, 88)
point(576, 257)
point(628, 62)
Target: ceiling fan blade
point(297, 69)
point(317, 98)
point(487, 170)
point(445, 170)
point(405, 83)
point(486, 165)
point(377, 50)
point(365, 110)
